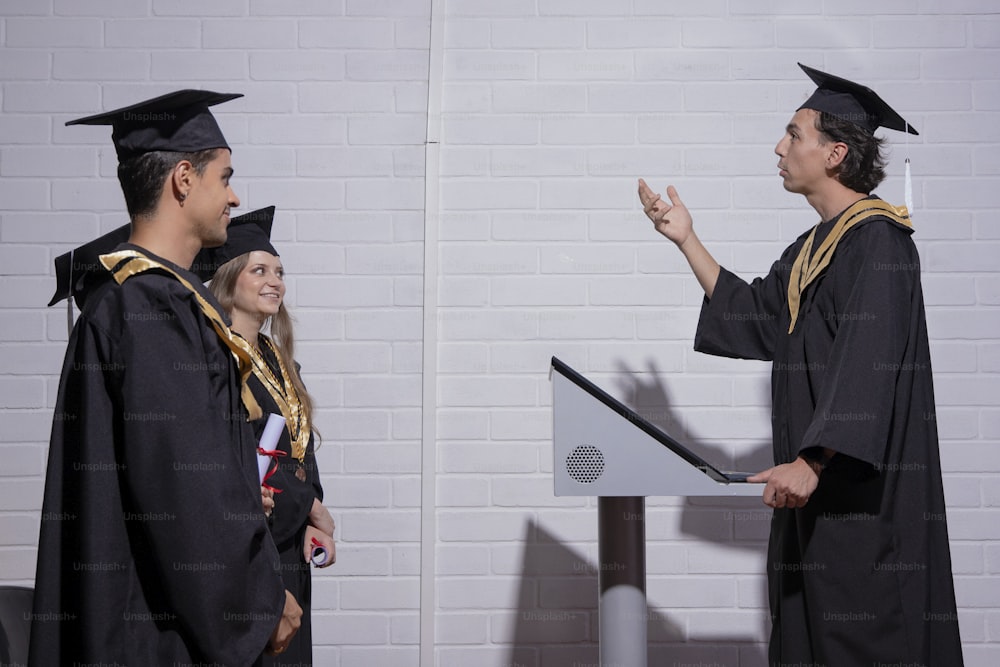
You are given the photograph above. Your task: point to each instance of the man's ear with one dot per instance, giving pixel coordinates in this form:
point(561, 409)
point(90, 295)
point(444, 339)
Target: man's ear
point(182, 179)
point(836, 152)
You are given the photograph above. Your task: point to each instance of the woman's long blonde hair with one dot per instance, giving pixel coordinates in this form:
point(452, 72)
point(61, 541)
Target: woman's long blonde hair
point(223, 286)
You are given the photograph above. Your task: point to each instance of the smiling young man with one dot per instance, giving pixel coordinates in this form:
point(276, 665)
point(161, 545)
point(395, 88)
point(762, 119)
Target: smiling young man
point(859, 565)
point(153, 548)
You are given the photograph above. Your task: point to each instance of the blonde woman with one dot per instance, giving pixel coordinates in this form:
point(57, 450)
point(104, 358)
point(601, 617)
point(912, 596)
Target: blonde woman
point(247, 278)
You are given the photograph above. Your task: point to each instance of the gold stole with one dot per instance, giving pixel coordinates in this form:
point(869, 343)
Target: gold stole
point(806, 269)
point(286, 397)
point(126, 263)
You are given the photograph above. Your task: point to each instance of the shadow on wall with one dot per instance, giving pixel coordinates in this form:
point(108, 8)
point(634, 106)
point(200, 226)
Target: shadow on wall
point(644, 392)
point(738, 523)
point(557, 624)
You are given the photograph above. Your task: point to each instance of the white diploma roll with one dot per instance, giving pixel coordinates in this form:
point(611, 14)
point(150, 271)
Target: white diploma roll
point(269, 442)
point(319, 556)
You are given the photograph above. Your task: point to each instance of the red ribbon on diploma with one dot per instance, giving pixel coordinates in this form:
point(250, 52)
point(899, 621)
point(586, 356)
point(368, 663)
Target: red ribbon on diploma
point(274, 454)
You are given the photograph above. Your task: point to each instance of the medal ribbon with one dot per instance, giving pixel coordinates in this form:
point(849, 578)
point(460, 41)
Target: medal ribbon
point(285, 397)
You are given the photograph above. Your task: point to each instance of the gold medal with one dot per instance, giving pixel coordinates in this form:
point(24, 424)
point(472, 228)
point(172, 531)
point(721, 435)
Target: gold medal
point(300, 473)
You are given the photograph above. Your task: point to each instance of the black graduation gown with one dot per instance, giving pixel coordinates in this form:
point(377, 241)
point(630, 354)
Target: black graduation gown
point(153, 547)
point(289, 519)
point(862, 574)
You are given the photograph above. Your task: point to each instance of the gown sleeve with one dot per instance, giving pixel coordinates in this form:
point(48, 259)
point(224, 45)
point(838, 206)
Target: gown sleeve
point(876, 284)
point(186, 485)
point(741, 320)
point(311, 467)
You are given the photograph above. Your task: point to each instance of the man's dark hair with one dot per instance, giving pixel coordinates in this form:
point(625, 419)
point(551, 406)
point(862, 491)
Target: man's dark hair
point(142, 177)
point(864, 166)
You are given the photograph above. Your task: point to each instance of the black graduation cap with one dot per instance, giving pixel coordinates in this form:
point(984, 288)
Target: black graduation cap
point(852, 102)
point(246, 233)
point(79, 271)
point(178, 121)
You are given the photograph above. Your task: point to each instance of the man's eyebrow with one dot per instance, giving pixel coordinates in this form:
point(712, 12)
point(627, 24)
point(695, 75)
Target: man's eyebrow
point(791, 127)
point(227, 172)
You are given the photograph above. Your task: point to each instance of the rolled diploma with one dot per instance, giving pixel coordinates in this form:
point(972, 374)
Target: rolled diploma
point(319, 556)
point(269, 442)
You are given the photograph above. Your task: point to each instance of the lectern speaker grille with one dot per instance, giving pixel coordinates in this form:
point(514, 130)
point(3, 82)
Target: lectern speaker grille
point(585, 464)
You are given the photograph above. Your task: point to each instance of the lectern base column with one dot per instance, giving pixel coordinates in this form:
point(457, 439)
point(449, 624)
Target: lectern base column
point(621, 527)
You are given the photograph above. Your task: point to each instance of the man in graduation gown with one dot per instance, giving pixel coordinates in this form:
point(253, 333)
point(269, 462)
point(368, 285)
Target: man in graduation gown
point(153, 547)
point(859, 570)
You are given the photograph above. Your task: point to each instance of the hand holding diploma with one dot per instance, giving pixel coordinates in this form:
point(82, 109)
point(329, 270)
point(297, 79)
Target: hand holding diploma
point(267, 500)
point(267, 447)
point(322, 552)
point(319, 548)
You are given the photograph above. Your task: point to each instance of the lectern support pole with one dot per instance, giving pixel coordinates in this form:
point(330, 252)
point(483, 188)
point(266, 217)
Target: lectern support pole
point(621, 527)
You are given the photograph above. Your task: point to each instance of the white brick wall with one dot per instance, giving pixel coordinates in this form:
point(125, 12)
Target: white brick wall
point(551, 110)
point(335, 94)
point(548, 121)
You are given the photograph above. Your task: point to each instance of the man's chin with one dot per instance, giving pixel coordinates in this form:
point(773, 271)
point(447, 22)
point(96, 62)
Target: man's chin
point(215, 240)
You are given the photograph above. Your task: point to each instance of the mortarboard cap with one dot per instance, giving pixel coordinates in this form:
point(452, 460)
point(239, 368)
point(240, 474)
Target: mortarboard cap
point(246, 233)
point(852, 102)
point(178, 121)
point(79, 271)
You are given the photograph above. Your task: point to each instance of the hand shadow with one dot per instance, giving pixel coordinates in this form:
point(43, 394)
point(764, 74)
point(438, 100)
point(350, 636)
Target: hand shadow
point(736, 522)
point(713, 519)
point(650, 399)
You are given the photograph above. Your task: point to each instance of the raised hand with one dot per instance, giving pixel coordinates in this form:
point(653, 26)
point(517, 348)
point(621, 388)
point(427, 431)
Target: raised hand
point(672, 219)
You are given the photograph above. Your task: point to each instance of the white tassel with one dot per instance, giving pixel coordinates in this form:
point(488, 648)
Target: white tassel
point(907, 184)
point(908, 189)
point(69, 299)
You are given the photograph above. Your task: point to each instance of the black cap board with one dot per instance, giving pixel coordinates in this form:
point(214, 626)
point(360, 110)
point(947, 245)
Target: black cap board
point(178, 121)
point(80, 271)
point(246, 233)
point(852, 102)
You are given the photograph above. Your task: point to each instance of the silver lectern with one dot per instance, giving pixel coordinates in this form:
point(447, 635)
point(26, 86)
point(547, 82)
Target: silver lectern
point(603, 448)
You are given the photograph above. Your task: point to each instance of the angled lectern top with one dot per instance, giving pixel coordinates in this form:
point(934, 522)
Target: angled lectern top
point(602, 447)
